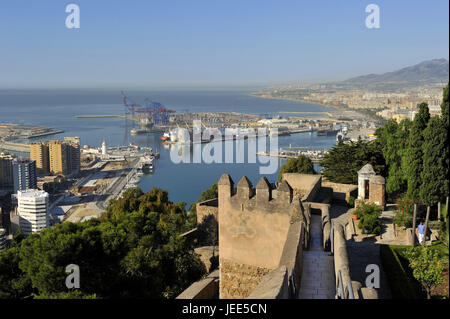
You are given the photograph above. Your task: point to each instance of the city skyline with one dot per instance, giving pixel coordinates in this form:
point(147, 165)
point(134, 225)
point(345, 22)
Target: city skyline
point(160, 44)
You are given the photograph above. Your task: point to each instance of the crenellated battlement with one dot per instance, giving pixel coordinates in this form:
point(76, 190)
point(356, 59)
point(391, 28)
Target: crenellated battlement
point(263, 197)
point(254, 223)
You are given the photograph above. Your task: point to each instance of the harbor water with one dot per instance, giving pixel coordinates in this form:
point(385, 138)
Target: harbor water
point(185, 181)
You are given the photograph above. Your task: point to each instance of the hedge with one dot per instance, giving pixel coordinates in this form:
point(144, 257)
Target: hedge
point(400, 281)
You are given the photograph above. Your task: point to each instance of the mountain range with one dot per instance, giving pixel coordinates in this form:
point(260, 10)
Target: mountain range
point(427, 72)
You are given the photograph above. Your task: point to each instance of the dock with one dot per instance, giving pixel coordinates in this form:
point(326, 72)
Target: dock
point(293, 152)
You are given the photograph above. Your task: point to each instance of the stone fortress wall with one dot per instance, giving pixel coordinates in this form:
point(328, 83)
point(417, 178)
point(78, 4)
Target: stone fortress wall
point(253, 229)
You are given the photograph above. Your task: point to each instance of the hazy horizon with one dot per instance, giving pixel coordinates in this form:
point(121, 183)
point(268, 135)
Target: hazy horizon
point(204, 44)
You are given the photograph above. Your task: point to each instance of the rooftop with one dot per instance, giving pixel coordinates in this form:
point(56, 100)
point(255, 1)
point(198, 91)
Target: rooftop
point(32, 193)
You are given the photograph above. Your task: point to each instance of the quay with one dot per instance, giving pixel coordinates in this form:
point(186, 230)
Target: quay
point(293, 152)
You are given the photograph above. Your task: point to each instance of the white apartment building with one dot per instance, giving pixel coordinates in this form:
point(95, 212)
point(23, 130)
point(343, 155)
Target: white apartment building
point(33, 210)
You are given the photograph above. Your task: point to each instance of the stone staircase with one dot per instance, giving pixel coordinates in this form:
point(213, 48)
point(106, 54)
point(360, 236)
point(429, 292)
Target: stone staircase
point(317, 280)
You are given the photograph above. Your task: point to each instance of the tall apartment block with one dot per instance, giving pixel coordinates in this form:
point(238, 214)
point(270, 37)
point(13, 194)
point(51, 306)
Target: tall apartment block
point(6, 171)
point(24, 174)
point(39, 153)
point(33, 210)
point(58, 157)
point(73, 154)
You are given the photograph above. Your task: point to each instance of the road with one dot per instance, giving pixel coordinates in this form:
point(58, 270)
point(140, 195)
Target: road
point(118, 185)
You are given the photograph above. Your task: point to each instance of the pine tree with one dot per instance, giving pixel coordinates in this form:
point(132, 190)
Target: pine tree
point(414, 152)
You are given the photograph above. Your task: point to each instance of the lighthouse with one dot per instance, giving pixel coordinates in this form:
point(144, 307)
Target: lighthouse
point(104, 151)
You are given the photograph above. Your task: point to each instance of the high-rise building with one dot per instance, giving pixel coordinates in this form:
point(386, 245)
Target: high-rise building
point(33, 210)
point(24, 174)
point(39, 153)
point(6, 171)
point(73, 156)
point(58, 157)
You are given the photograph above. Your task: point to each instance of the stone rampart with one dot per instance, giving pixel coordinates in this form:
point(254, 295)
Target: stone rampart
point(253, 231)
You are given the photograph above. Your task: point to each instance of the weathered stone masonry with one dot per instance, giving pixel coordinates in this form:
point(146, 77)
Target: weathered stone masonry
point(253, 227)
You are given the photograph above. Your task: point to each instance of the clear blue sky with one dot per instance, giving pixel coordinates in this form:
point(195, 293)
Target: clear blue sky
point(196, 42)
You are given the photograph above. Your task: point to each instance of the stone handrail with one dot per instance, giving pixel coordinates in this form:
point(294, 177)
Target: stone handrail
point(343, 228)
point(274, 285)
point(326, 223)
point(207, 288)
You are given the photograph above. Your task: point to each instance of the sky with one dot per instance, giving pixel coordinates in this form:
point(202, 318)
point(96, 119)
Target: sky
point(170, 43)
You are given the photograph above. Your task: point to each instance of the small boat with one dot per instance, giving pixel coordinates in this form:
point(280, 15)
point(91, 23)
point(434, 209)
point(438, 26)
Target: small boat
point(146, 163)
point(165, 136)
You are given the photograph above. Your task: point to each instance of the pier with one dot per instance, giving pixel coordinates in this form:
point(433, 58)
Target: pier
point(293, 152)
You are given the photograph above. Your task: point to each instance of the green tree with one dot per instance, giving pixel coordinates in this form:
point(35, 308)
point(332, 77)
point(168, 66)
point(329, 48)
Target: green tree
point(427, 267)
point(300, 164)
point(344, 160)
point(445, 120)
point(13, 281)
point(392, 138)
point(434, 178)
point(414, 154)
point(445, 107)
point(368, 214)
point(134, 250)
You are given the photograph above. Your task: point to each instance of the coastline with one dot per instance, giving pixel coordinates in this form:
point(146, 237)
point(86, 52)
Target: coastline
point(264, 96)
point(336, 108)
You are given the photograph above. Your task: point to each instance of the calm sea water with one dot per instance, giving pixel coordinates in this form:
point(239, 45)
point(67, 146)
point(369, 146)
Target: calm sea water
point(185, 182)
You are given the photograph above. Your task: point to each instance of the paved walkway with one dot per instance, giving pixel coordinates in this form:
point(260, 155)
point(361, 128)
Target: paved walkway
point(318, 272)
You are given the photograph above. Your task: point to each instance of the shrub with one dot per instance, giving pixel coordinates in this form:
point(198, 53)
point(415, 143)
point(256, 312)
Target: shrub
point(401, 284)
point(369, 222)
point(427, 267)
point(404, 214)
point(402, 219)
point(351, 201)
point(367, 208)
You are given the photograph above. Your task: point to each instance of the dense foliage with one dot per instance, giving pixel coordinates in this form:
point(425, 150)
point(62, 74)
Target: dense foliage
point(427, 267)
point(133, 251)
point(393, 139)
point(404, 213)
point(434, 176)
point(368, 215)
point(300, 164)
point(414, 152)
point(413, 156)
point(344, 160)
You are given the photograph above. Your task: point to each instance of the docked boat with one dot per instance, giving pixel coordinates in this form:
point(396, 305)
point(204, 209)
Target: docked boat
point(146, 163)
point(165, 136)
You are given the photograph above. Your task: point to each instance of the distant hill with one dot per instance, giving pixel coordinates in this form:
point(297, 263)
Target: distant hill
point(427, 72)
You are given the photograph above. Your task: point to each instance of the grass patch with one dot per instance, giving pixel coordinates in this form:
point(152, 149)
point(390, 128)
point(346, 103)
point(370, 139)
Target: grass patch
point(401, 281)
